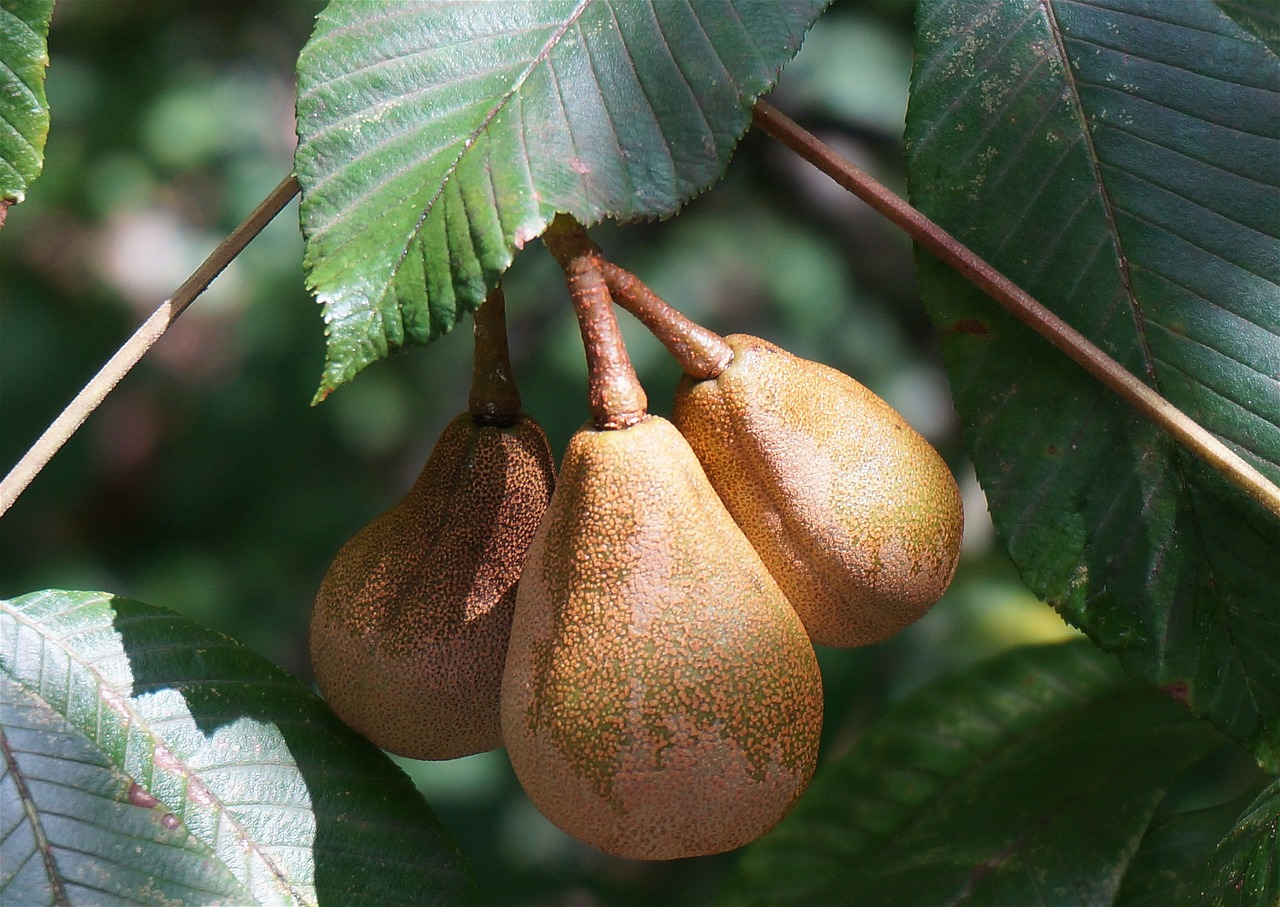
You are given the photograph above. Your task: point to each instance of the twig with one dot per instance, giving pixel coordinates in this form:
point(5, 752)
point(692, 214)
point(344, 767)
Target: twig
point(133, 349)
point(1185, 430)
point(701, 353)
point(614, 393)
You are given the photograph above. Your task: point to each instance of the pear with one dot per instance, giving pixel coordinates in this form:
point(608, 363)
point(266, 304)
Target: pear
point(661, 698)
point(856, 515)
point(409, 630)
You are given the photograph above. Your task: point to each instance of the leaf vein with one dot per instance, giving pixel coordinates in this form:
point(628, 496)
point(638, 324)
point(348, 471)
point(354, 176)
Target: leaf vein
point(1108, 208)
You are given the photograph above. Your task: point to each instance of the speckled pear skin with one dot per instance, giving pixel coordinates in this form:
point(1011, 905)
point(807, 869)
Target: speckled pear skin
point(661, 699)
point(856, 515)
point(410, 627)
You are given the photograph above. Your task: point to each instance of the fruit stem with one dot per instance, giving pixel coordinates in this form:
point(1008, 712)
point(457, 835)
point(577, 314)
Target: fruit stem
point(495, 399)
point(613, 391)
point(702, 353)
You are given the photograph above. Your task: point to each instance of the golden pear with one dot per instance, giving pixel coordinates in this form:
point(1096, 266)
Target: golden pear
point(409, 630)
point(661, 699)
point(856, 515)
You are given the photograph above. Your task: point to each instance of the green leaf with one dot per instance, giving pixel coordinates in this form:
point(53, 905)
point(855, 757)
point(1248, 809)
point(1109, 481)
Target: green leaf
point(1029, 779)
point(1261, 17)
point(148, 760)
point(434, 141)
point(24, 112)
point(1248, 860)
point(1118, 160)
point(1175, 864)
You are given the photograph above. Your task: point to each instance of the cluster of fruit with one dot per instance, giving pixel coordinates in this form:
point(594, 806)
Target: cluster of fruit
point(638, 633)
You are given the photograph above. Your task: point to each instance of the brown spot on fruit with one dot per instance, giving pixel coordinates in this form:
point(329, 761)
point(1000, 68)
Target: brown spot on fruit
point(409, 630)
point(661, 699)
point(856, 515)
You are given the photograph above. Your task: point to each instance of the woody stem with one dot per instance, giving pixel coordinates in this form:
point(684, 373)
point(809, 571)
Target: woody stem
point(614, 393)
point(701, 353)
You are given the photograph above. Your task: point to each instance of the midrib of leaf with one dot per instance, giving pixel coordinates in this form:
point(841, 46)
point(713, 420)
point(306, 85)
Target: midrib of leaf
point(160, 752)
point(1108, 206)
point(1188, 498)
point(1001, 857)
point(1006, 741)
point(1142, 324)
point(471, 141)
point(1077, 696)
point(33, 819)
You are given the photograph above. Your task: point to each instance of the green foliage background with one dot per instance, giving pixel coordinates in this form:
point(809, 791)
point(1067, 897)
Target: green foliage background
point(207, 484)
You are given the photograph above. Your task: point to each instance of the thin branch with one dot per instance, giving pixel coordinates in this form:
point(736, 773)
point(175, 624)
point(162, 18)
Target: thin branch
point(701, 353)
point(613, 391)
point(151, 330)
point(1185, 430)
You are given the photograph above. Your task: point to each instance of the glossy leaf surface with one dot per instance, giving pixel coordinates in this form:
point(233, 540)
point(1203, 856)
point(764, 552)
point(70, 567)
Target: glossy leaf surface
point(1119, 160)
point(436, 139)
point(149, 760)
point(1029, 779)
point(24, 112)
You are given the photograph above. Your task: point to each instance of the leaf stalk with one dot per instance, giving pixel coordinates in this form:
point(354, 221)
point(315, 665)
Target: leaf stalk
point(613, 391)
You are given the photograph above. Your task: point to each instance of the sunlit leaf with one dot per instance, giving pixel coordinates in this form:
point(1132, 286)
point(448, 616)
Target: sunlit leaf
point(436, 139)
point(24, 112)
point(1120, 160)
point(149, 760)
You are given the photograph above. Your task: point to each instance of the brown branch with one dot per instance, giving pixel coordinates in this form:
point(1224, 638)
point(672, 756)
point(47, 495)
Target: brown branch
point(1185, 430)
point(701, 353)
point(151, 330)
point(613, 391)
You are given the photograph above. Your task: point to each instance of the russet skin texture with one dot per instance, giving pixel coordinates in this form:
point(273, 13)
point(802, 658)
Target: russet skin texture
point(856, 515)
point(661, 698)
point(410, 627)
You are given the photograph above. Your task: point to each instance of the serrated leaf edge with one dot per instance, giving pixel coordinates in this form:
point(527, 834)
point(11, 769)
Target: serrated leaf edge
point(163, 757)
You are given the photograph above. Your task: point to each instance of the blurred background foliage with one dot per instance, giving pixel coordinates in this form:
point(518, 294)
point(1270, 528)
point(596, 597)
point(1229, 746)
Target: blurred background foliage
point(207, 484)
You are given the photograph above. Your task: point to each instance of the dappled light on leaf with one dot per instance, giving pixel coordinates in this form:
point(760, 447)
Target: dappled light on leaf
point(217, 770)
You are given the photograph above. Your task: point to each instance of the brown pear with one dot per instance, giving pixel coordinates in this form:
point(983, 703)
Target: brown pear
point(661, 699)
point(855, 514)
point(409, 631)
